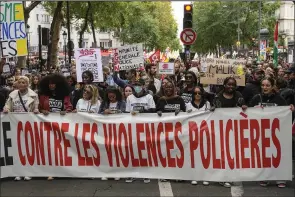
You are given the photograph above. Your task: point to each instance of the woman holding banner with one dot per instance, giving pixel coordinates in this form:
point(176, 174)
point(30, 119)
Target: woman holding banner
point(227, 98)
point(22, 100)
point(269, 98)
point(90, 102)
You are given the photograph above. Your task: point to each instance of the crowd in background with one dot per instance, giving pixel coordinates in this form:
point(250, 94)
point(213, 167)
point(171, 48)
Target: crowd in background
point(144, 91)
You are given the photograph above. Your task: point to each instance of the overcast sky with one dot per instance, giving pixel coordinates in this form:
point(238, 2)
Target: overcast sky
point(178, 12)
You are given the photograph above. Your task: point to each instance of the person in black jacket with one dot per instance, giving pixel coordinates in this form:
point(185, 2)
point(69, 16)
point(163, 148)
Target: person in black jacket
point(229, 97)
point(268, 97)
point(170, 102)
point(191, 81)
point(253, 86)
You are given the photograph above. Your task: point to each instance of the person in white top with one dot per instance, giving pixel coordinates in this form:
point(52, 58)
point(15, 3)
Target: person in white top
point(198, 103)
point(140, 101)
point(90, 101)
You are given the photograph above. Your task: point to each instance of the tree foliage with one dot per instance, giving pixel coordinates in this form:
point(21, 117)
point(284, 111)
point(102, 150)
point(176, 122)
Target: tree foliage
point(150, 23)
point(216, 23)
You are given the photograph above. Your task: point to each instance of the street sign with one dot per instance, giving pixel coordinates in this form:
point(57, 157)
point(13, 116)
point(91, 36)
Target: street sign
point(188, 36)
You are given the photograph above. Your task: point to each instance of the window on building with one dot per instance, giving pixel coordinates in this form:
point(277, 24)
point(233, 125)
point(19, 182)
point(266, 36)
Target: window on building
point(101, 44)
point(110, 44)
point(37, 16)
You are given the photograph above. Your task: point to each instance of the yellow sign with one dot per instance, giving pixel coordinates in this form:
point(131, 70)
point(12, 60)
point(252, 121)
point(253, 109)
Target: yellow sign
point(13, 38)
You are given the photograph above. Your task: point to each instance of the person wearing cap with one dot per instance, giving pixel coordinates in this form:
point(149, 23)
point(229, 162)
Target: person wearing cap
point(253, 86)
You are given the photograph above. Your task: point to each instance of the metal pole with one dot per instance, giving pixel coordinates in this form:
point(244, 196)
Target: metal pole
point(69, 31)
point(40, 47)
point(65, 51)
point(294, 35)
point(259, 27)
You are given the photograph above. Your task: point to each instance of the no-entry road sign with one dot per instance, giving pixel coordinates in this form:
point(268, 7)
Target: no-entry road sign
point(188, 36)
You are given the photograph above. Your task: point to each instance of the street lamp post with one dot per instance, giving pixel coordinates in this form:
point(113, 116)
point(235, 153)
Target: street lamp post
point(284, 37)
point(64, 35)
point(28, 44)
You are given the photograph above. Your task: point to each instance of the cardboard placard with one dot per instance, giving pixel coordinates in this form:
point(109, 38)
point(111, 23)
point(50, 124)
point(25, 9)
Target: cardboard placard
point(128, 57)
point(217, 79)
point(216, 70)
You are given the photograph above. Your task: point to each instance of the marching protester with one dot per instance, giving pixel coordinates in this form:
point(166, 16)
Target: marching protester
point(54, 93)
point(269, 98)
point(190, 82)
point(35, 83)
point(113, 102)
point(87, 78)
point(170, 102)
point(253, 86)
point(140, 101)
point(22, 100)
point(226, 98)
point(127, 91)
point(90, 101)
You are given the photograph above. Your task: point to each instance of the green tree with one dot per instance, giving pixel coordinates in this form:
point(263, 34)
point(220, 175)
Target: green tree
point(216, 23)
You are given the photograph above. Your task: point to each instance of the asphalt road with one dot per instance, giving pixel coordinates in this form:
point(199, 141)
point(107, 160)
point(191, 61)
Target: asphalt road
point(86, 187)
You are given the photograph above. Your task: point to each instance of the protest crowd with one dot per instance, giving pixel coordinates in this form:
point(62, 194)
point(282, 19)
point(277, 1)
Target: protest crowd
point(144, 90)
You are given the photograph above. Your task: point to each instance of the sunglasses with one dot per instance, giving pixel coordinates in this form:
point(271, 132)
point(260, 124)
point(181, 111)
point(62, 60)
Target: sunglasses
point(198, 93)
point(87, 92)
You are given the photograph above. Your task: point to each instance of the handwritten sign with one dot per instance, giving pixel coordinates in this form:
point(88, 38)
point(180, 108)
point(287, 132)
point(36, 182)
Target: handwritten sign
point(13, 36)
point(128, 57)
point(216, 70)
point(166, 68)
point(89, 59)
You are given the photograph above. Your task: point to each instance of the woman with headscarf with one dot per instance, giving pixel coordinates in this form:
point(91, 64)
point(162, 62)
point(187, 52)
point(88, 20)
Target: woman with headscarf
point(22, 100)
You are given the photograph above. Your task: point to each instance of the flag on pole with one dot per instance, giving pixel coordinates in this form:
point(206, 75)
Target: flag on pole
point(275, 48)
point(155, 57)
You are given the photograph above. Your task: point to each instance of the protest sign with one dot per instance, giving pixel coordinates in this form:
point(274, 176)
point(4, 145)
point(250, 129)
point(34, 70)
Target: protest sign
point(6, 68)
point(166, 68)
point(214, 70)
point(224, 145)
point(89, 59)
point(128, 57)
point(13, 37)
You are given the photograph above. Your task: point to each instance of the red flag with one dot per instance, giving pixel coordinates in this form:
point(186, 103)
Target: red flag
point(155, 57)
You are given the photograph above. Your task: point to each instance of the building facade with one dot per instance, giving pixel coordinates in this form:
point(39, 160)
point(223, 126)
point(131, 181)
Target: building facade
point(285, 15)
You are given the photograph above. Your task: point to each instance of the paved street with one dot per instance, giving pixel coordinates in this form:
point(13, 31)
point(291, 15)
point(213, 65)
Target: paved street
point(85, 187)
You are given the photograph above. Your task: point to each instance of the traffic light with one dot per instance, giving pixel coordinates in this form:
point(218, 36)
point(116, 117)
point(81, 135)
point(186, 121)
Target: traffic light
point(188, 16)
point(45, 36)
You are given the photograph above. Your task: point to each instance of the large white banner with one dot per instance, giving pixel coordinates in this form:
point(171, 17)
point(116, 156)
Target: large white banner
point(89, 59)
point(225, 145)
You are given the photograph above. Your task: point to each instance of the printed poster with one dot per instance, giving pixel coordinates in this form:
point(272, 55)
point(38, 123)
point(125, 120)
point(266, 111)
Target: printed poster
point(89, 59)
point(166, 68)
point(128, 57)
point(13, 36)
